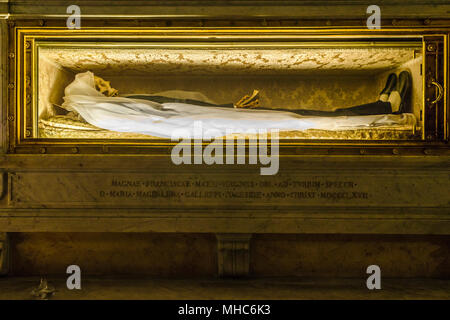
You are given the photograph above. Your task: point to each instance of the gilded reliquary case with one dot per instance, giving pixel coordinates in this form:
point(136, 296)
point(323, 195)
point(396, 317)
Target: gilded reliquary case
point(292, 68)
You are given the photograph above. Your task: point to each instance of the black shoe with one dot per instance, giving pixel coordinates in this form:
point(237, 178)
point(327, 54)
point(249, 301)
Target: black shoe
point(391, 83)
point(404, 85)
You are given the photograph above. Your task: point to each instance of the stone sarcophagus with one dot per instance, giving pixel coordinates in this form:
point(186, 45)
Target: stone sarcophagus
point(386, 174)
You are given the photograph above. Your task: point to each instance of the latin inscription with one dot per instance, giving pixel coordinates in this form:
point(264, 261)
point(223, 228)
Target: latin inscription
point(237, 191)
point(230, 189)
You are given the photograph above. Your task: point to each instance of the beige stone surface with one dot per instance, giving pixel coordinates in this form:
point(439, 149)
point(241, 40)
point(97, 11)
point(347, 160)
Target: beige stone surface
point(164, 255)
point(195, 255)
point(288, 189)
point(414, 195)
point(393, 195)
point(342, 256)
point(212, 289)
point(65, 127)
point(297, 9)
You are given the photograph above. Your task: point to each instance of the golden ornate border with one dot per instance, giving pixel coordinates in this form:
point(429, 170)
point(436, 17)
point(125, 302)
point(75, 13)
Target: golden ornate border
point(23, 74)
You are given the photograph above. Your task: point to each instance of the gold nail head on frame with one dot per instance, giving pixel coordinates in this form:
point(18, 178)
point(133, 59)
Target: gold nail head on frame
point(431, 47)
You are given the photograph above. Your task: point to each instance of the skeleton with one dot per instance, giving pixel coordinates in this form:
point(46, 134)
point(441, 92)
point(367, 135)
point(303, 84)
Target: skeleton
point(248, 101)
point(105, 87)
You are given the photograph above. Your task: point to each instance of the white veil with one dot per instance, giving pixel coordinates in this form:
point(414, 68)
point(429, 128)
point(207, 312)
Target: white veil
point(164, 120)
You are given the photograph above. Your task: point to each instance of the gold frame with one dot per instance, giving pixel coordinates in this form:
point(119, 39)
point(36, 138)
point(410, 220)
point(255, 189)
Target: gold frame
point(25, 38)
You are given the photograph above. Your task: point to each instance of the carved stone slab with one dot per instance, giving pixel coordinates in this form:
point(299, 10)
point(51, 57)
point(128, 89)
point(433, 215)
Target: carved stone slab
point(172, 190)
point(233, 254)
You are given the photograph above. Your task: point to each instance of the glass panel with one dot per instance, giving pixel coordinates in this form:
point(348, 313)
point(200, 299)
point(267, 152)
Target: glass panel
point(307, 90)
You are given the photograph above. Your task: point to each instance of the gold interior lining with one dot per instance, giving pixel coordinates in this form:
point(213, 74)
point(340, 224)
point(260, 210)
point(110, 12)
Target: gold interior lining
point(70, 128)
point(241, 61)
point(324, 78)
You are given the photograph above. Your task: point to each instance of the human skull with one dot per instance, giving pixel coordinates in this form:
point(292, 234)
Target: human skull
point(105, 87)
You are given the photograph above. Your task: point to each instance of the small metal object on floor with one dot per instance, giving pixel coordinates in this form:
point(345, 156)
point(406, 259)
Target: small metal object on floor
point(44, 291)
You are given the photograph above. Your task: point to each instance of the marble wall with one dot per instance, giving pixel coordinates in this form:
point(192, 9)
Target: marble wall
point(194, 255)
point(342, 256)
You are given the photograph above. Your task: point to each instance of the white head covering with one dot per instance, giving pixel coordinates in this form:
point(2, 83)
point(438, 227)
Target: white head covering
point(84, 84)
